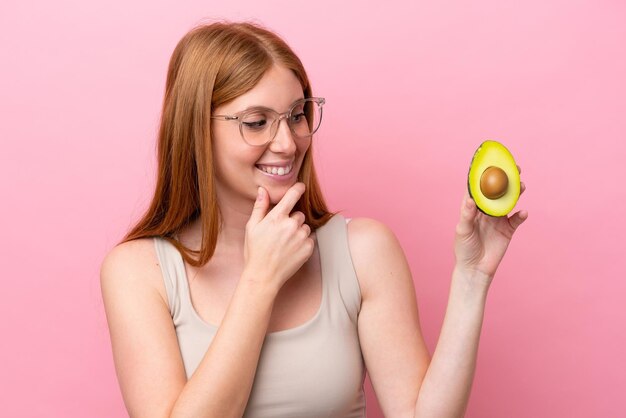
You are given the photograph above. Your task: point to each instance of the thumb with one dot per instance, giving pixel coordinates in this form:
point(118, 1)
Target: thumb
point(260, 206)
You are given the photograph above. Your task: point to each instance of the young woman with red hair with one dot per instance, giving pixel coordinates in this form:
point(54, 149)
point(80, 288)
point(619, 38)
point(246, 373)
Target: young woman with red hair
point(239, 293)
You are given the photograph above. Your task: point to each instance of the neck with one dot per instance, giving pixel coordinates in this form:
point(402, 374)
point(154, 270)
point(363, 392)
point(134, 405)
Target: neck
point(234, 215)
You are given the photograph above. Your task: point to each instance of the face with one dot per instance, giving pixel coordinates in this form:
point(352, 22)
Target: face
point(237, 164)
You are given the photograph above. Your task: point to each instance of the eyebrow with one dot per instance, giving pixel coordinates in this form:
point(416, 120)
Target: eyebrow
point(253, 107)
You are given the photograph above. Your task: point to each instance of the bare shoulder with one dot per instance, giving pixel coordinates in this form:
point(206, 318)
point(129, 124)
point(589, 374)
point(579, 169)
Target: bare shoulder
point(362, 230)
point(132, 265)
point(130, 254)
point(374, 249)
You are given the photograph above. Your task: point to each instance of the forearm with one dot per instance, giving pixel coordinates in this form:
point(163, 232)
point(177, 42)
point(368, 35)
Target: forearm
point(447, 384)
point(221, 385)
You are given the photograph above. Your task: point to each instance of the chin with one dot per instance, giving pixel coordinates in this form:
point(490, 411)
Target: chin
point(276, 193)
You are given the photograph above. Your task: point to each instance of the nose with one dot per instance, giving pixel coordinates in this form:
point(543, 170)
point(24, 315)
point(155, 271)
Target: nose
point(284, 141)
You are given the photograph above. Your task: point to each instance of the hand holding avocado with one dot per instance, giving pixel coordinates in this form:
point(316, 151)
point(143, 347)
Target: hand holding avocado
point(484, 231)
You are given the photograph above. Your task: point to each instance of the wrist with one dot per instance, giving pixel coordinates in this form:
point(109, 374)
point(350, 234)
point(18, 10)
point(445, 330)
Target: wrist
point(258, 282)
point(471, 280)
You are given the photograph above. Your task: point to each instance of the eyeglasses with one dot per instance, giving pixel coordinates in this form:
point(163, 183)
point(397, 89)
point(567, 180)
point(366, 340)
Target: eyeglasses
point(259, 125)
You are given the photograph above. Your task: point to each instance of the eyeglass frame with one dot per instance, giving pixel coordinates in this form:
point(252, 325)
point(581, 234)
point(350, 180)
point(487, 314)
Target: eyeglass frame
point(279, 117)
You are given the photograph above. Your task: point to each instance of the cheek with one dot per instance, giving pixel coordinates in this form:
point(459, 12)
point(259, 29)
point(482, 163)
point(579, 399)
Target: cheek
point(242, 167)
point(232, 155)
point(303, 146)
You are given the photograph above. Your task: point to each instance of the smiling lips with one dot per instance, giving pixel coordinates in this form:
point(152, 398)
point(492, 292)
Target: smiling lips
point(276, 170)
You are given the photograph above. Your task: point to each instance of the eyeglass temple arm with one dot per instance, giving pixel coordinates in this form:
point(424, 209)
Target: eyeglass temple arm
point(225, 117)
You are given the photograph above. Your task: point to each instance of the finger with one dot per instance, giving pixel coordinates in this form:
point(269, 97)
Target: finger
point(306, 229)
point(299, 217)
point(522, 188)
point(465, 227)
point(289, 200)
point(260, 206)
point(516, 220)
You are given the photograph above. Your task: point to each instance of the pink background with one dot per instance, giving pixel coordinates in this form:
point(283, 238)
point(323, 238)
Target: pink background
point(412, 89)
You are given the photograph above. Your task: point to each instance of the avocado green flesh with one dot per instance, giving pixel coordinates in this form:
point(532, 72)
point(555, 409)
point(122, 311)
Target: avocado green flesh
point(492, 153)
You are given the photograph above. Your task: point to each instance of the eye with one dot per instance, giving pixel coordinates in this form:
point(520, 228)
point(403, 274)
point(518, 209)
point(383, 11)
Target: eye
point(297, 113)
point(298, 117)
point(259, 124)
point(255, 121)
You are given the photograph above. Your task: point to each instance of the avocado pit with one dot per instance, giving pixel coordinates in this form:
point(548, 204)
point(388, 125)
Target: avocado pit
point(494, 183)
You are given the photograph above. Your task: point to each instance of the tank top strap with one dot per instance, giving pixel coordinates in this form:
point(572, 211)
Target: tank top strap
point(337, 268)
point(173, 269)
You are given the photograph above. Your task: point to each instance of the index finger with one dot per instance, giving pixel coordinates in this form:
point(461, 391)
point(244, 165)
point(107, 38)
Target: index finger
point(289, 200)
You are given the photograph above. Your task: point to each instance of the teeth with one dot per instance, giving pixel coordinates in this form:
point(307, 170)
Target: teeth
point(281, 171)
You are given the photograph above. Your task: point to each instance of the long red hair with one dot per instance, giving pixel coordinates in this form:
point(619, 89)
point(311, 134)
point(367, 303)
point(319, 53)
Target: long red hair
point(211, 65)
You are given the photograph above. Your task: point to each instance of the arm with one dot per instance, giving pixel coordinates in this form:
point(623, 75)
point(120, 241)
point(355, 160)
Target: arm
point(221, 385)
point(479, 246)
point(145, 348)
point(406, 381)
point(447, 383)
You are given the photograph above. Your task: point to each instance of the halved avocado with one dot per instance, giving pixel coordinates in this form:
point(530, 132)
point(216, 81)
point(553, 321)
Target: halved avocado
point(493, 180)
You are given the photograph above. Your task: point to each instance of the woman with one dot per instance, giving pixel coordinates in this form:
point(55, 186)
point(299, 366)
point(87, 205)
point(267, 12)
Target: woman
point(239, 293)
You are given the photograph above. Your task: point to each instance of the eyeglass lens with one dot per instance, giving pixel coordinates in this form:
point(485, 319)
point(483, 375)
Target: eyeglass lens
point(259, 126)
